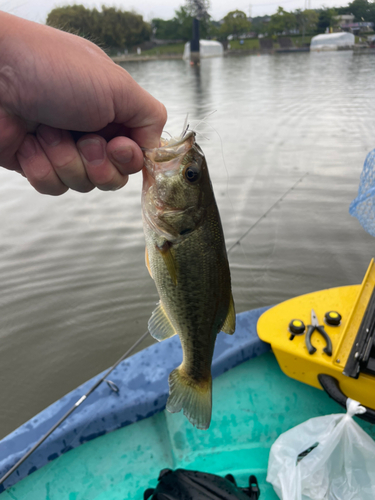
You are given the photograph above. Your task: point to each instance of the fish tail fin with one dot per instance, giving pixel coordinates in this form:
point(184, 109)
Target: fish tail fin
point(195, 398)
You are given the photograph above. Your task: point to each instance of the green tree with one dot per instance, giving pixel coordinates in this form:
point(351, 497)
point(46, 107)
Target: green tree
point(180, 27)
point(164, 30)
point(75, 19)
point(259, 24)
point(327, 19)
point(282, 22)
point(362, 10)
point(198, 8)
point(306, 20)
point(234, 23)
point(184, 23)
point(122, 29)
point(112, 28)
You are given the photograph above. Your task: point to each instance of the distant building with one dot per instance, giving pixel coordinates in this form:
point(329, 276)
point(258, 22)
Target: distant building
point(357, 28)
point(345, 19)
point(346, 23)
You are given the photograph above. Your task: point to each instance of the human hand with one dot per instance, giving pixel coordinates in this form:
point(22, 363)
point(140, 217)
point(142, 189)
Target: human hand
point(53, 83)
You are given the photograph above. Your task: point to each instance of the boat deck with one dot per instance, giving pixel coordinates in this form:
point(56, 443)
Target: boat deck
point(252, 405)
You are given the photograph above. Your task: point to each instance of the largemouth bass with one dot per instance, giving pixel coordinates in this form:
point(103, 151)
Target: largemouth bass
point(186, 257)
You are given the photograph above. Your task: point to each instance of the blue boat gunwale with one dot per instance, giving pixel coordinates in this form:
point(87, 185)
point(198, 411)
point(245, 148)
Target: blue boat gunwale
point(143, 383)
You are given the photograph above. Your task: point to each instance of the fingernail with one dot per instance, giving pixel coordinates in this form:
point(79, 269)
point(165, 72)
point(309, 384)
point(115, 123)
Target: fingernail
point(123, 155)
point(28, 147)
point(51, 136)
point(92, 150)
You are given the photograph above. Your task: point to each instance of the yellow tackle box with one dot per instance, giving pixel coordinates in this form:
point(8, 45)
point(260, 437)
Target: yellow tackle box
point(341, 357)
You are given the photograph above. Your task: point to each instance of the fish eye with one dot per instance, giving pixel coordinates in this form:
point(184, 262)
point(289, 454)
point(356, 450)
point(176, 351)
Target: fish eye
point(192, 173)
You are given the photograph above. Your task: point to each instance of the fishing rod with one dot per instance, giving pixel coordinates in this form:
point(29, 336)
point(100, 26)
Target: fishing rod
point(75, 406)
point(266, 212)
point(124, 356)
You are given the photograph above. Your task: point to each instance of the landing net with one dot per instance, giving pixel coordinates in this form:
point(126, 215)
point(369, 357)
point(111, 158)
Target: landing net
point(363, 207)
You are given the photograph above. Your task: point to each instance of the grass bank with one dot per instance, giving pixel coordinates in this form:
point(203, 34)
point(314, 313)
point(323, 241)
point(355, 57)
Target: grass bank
point(254, 43)
point(248, 44)
point(161, 50)
point(175, 51)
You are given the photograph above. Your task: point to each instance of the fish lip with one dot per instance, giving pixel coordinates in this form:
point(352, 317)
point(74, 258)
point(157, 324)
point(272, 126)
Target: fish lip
point(148, 179)
point(172, 142)
point(161, 159)
point(158, 159)
point(148, 168)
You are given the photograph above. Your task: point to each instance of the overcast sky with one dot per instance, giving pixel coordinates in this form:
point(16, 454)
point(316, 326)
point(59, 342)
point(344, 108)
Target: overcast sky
point(37, 10)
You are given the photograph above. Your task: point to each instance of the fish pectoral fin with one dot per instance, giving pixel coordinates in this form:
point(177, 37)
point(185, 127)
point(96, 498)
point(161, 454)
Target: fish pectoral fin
point(165, 252)
point(159, 325)
point(147, 261)
point(230, 321)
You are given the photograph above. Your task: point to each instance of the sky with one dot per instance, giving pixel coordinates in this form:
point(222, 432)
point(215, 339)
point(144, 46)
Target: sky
point(37, 10)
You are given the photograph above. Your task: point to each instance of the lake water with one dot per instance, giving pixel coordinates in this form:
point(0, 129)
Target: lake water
point(74, 290)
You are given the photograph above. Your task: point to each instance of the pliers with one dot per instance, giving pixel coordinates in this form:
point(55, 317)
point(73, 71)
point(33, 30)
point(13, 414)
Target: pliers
point(320, 328)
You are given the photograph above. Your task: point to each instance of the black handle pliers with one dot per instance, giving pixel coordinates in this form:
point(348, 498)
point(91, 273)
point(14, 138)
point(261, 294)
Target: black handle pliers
point(319, 328)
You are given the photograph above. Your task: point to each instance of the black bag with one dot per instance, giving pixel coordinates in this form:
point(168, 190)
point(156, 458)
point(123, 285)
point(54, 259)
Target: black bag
point(183, 484)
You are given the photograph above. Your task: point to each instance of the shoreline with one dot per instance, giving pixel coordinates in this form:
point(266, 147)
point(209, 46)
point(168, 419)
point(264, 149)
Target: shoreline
point(161, 57)
point(135, 57)
point(230, 53)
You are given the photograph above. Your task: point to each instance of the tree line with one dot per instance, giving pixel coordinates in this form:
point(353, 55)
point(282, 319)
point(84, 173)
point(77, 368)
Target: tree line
point(109, 28)
point(313, 21)
point(113, 28)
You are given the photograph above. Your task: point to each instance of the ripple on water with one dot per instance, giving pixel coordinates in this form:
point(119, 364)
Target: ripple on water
point(74, 291)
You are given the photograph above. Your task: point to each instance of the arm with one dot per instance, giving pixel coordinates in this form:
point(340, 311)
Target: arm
point(52, 83)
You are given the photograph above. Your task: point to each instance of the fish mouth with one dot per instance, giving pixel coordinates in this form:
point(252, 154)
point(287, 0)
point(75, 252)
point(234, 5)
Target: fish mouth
point(172, 147)
point(167, 156)
point(148, 179)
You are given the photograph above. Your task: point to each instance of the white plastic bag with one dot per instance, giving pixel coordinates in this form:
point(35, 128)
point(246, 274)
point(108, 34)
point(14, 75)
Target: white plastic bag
point(324, 458)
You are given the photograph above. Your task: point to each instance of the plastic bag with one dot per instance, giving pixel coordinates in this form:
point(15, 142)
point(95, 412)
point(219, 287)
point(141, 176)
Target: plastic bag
point(324, 458)
point(363, 207)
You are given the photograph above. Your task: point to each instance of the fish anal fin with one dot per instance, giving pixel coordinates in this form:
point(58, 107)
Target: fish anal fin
point(194, 398)
point(165, 252)
point(230, 321)
point(159, 325)
point(147, 261)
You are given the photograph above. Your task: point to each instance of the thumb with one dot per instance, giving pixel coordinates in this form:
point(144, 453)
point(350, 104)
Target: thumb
point(140, 112)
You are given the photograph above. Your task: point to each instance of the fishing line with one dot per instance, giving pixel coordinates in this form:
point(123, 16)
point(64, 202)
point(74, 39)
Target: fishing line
point(47, 470)
point(226, 169)
point(185, 127)
point(203, 119)
point(225, 165)
point(221, 148)
point(267, 212)
point(73, 408)
point(129, 351)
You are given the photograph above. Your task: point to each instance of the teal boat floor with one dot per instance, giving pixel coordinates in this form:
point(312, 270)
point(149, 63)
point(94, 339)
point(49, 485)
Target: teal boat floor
point(252, 405)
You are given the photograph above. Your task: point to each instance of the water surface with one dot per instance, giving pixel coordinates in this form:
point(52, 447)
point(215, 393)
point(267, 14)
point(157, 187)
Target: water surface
point(74, 291)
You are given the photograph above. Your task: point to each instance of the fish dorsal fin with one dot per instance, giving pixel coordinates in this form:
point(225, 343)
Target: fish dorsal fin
point(230, 321)
point(165, 252)
point(159, 325)
point(147, 261)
